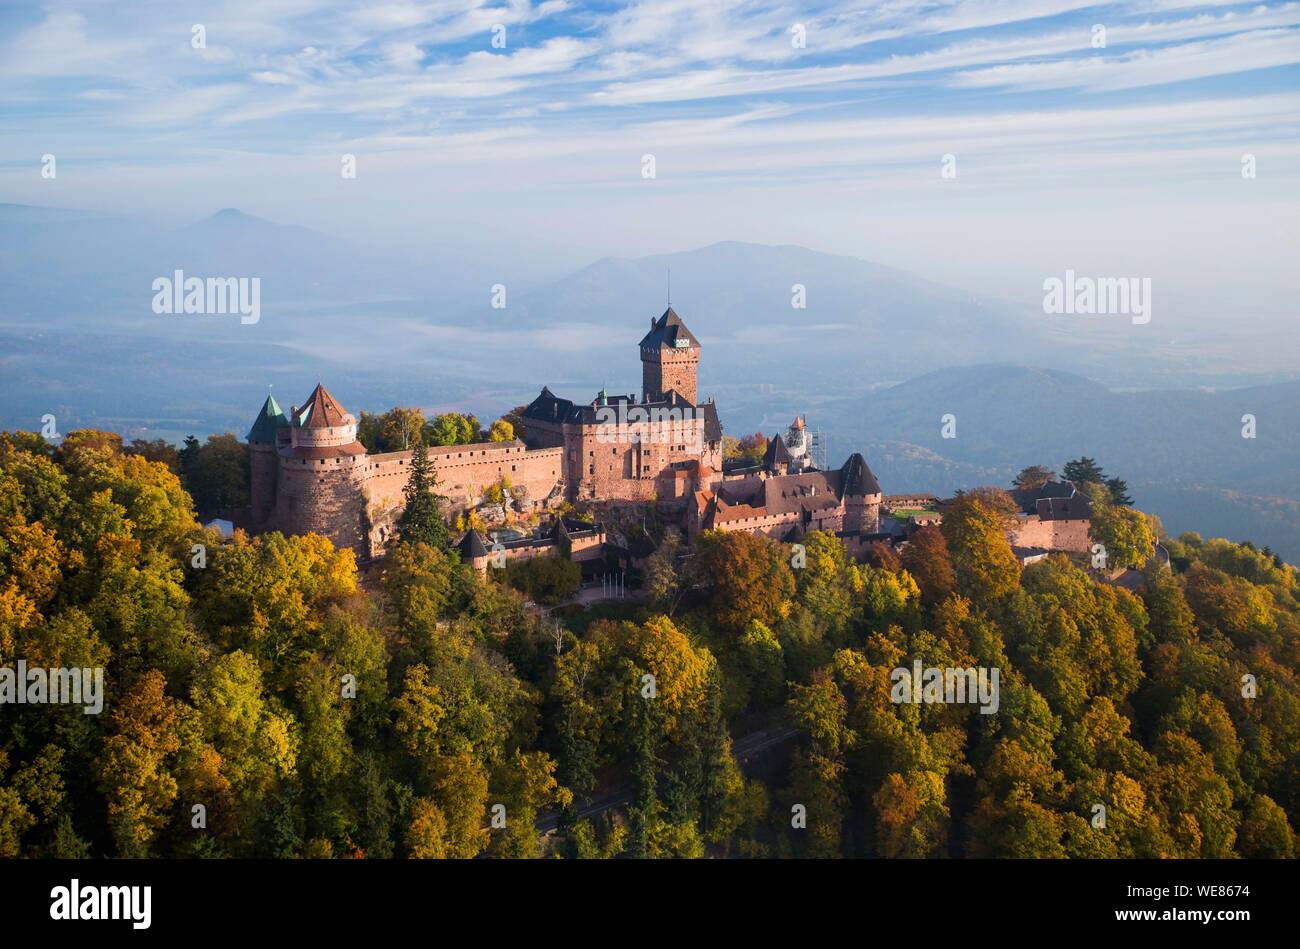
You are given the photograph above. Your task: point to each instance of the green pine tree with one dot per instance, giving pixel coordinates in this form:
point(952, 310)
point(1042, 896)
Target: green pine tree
point(1119, 492)
point(1083, 471)
point(422, 520)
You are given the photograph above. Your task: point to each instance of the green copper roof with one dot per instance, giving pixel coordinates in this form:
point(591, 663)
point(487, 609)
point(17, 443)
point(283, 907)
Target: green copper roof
point(268, 420)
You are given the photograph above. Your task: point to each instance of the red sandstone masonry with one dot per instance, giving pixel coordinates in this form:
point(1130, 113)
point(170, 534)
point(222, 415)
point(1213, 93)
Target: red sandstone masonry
point(1071, 535)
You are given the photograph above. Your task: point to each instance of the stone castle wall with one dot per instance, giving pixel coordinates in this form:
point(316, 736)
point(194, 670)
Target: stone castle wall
point(465, 472)
point(1033, 531)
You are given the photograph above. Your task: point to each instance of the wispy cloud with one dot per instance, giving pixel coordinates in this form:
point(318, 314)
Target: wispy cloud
point(509, 108)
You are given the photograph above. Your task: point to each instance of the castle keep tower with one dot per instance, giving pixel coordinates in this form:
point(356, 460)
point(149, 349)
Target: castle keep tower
point(670, 357)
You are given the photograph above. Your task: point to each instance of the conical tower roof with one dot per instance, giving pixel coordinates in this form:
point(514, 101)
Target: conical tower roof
point(271, 417)
point(857, 478)
point(471, 545)
point(321, 410)
point(777, 453)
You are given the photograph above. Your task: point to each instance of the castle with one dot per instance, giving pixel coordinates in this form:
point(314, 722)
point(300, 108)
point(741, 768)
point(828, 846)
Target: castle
point(309, 473)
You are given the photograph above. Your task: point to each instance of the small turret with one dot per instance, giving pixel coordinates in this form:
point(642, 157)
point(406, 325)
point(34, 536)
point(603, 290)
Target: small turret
point(473, 551)
point(776, 459)
point(322, 475)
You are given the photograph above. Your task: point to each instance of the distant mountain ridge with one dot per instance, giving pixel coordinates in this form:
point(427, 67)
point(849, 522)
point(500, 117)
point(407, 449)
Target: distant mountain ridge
point(1181, 451)
point(745, 295)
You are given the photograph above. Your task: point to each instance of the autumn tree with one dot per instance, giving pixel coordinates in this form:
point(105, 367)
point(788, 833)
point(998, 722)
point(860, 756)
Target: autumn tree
point(749, 576)
point(502, 431)
point(983, 564)
point(1035, 476)
point(216, 475)
point(926, 558)
point(1125, 533)
point(135, 768)
point(526, 784)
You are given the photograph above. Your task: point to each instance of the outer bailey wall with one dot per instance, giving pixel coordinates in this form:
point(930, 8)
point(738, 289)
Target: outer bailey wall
point(466, 471)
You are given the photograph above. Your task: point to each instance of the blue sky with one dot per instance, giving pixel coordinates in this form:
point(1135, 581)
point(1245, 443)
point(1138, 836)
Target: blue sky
point(1125, 158)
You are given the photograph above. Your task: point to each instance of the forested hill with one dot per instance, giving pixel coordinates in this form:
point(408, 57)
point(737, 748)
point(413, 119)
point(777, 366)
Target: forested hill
point(262, 699)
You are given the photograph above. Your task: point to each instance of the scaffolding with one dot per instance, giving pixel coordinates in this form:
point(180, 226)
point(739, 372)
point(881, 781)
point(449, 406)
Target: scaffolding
point(817, 445)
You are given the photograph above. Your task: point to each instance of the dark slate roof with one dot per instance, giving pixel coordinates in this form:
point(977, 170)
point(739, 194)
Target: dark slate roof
point(1074, 508)
point(549, 407)
point(1028, 498)
point(712, 427)
point(669, 332)
point(471, 546)
point(271, 417)
point(322, 410)
point(1056, 489)
point(805, 492)
point(809, 491)
point(858, 479)
point(1023, 552)
point(777, 453)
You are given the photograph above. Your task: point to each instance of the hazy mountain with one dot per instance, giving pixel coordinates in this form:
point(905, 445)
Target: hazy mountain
point(1182, 452)
point(738, 299)
point(71, 269)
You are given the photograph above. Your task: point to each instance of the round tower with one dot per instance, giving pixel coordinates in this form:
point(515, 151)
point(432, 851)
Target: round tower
point(860, 492)
point(263, 463)
point(321, 487)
